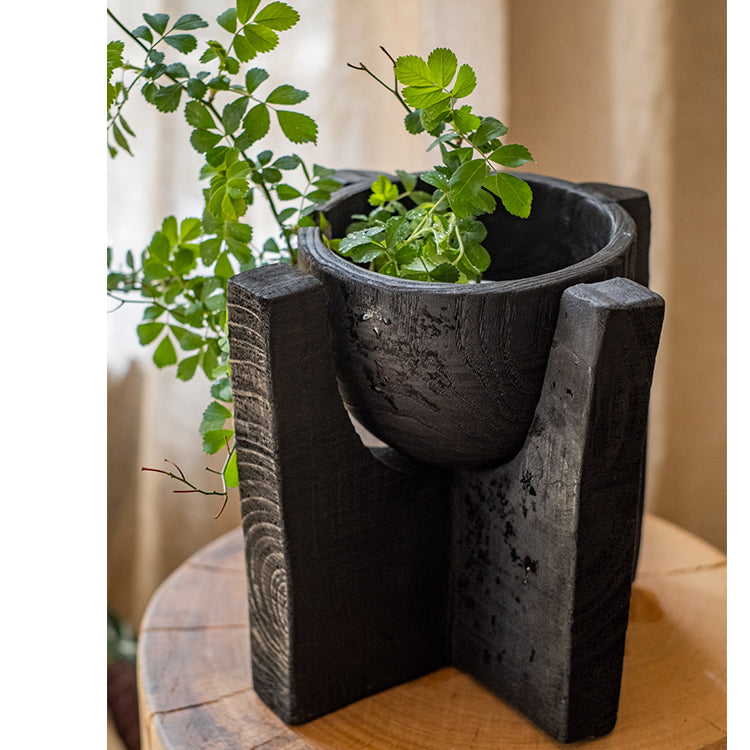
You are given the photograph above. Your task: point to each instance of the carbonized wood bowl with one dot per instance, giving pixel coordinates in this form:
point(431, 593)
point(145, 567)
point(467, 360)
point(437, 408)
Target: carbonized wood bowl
point(450, 374)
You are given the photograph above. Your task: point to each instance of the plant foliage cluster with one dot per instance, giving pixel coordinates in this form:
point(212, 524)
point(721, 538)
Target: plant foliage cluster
point(439, 238)
point(230, 106)
point(182, 275)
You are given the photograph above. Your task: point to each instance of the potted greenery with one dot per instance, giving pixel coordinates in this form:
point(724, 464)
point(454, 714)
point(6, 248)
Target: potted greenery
point(440, 296)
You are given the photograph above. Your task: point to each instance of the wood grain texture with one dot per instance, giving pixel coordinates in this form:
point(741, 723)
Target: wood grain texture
point(543, 545)
point(673, 685)
point(450, 374)
point(347, 557)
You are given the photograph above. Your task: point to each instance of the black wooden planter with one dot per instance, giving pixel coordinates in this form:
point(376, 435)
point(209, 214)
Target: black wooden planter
point(499, 532)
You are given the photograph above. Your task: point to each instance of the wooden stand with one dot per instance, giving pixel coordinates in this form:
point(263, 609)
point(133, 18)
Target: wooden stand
point(195, 682)
point(367, 569)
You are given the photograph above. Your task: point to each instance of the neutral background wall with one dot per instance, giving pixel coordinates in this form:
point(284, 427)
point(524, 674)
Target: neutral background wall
point(623, 91)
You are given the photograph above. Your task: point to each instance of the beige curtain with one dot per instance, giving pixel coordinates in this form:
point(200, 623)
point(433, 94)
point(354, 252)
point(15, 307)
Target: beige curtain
point(621, 91)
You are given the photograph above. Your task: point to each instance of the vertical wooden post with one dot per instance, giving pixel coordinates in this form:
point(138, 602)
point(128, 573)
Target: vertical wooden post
point(543, 546)
point(347, 557)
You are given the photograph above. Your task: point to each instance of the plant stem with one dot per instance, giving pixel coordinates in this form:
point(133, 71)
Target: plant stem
point(393, 90)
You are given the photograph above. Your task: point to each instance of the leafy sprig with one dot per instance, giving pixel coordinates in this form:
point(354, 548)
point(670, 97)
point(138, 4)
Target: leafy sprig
point(440, 239)
point(181, 276)
point(426, 242)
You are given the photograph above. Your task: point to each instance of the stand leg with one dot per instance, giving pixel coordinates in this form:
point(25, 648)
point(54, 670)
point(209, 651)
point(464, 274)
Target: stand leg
point(543, 546)
point(347, 557)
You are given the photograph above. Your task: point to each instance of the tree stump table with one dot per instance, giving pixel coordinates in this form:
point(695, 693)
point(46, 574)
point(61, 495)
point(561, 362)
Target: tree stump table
point(195, 686)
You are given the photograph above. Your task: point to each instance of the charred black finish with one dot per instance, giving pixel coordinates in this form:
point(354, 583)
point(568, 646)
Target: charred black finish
point(368, 570)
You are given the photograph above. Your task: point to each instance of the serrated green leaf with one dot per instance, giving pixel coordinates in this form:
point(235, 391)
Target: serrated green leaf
point(203, 140)
point(152, 312)
point(159, 247)
point(286, 162)
point(185, 259)
point(239, 250)
point(253, 78)
point(222, 390)
point(260, 38)
point(421, 97)
point(446, 272)
point(237, 188)
point(187, 368)
point(511, 155)
point(223, 267)
point(158, 22)
point(277, 15)
point(362, 237)
point(165, 354)
point(155, 270)
point(366, 253)
point(114, 56)
point(143, 32)
point(436, 179)
point(298, 128)
point(187, 340)
point(177, 70)
point(382, 191)
point(240, 232)
point(488, 131)
point(397, 230)
point(238, 170)
point(442, 64)
point(477, 256)
point(232, 65)
point(233, 113)
point(169, 229)
point(287, 192)
point(466, 82)
point(184, 43)
point(412, 70)
point(286, 94)
point(148, 332)
point(413, 123)
point(167, 98)
point(196, 88)
point(243, 49)
point(228, 20)
point(219, 83)
point(408, 180)
point(514, 193)
point(214, 417)
point(466, 181)
point(209, 250)
point(216, 440)
point(153, 73)
point(190, 21)
point(256, 123)
point(465, 121)
point(231, 475)
point(120, 138)
point(245, 9)
point(198, 115)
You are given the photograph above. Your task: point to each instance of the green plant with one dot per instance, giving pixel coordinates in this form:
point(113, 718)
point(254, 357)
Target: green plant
point(439, 238)
point(181, 276)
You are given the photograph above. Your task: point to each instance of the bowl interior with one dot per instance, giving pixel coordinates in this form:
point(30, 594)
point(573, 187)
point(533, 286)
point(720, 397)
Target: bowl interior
point(565, 226)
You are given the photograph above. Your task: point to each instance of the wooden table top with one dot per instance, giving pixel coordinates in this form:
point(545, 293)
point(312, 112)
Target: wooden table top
point(195, 686)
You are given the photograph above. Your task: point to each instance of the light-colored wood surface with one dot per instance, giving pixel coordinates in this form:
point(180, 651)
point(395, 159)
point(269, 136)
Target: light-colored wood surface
point(196, 691)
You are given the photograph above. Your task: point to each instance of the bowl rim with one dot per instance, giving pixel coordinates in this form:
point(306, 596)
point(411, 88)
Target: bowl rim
point(622, 237)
